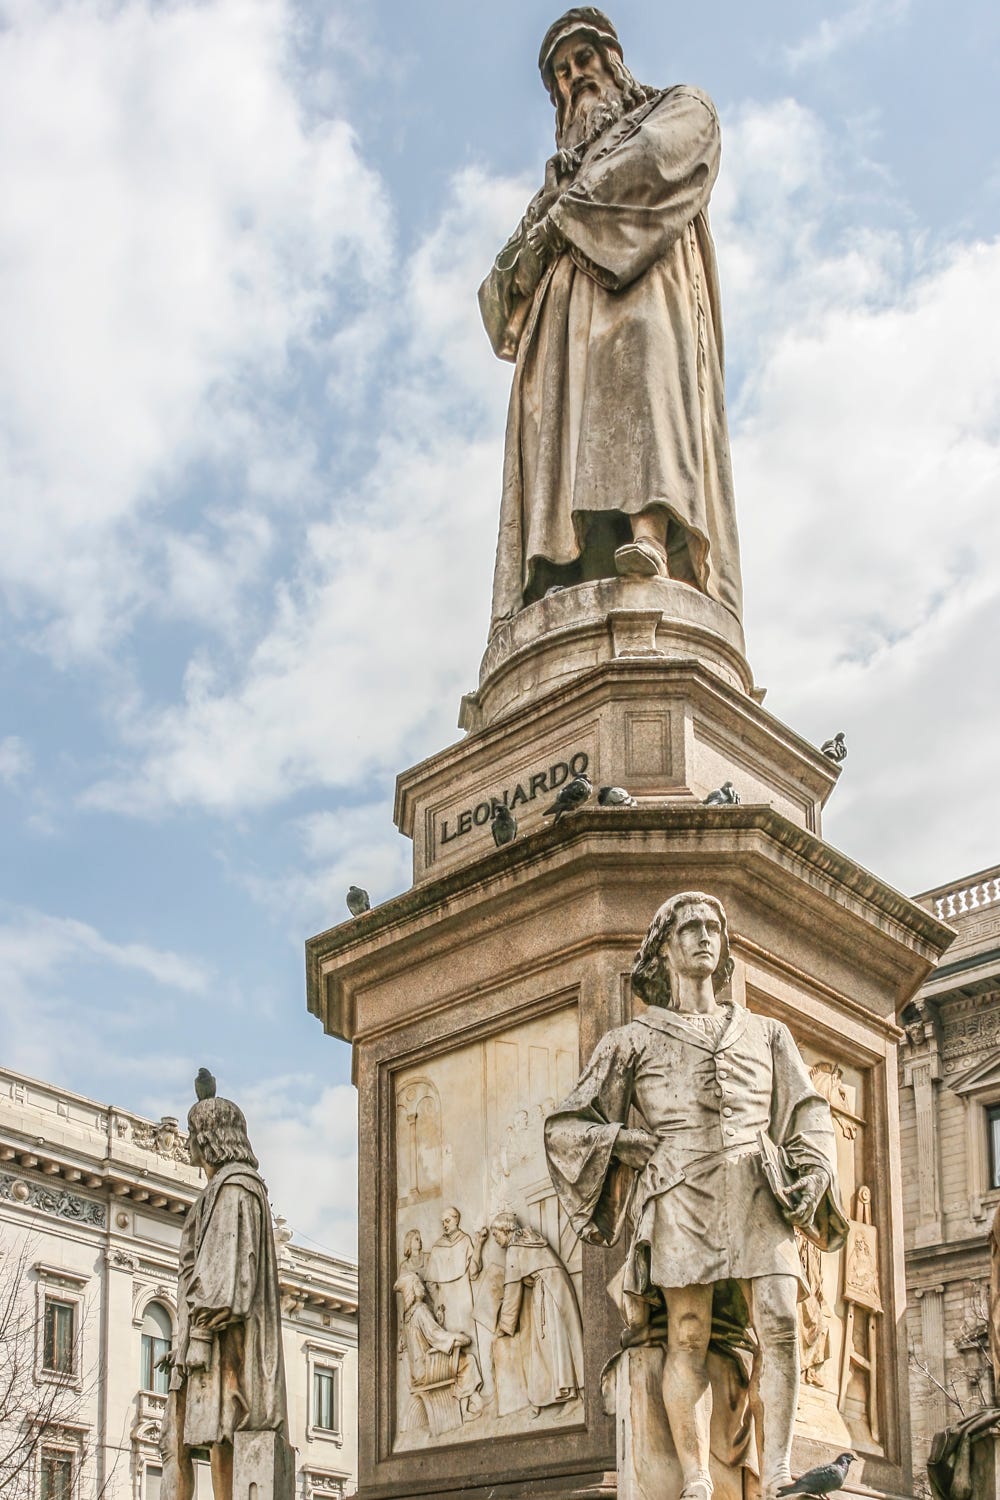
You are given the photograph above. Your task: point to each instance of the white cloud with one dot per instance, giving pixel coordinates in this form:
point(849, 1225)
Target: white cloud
point(41, 960)
point(173, 229)
point(378, 634)
point(15, 760)
point(866, 437)
point(305, 1136)
point(850, 26)
point(352, 846)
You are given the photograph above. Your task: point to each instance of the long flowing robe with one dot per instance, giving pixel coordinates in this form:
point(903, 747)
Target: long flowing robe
point(451, 1264)
point(424, 1338)
point(617, 401)
point(702, 1210)
point(539, 1304)
point(228, 1295)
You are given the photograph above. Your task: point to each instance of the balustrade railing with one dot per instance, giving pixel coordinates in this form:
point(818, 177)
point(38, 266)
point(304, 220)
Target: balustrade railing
point(973, 896)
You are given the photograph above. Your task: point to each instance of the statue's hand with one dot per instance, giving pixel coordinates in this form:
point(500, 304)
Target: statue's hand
point(460, 1341)
point(809, 1190)
point(199, 1353)
point(528, 270)
point(635, 1147)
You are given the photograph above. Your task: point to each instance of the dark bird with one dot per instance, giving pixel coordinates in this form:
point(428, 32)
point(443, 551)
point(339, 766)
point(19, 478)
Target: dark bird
point(204, 1084)
point(725, 796)
point(569, 797)
point(835, 749)
point(357, 901)
point(615, 796)
point(821, 1481)
point(503, 825)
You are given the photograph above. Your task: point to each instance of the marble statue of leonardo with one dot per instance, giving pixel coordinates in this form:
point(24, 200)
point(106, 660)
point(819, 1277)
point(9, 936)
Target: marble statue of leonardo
point(607, 298)
point(227, 1371)
point(718, 1091)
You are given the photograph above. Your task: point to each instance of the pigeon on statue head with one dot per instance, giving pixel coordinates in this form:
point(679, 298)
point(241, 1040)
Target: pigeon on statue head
point(204, 1084)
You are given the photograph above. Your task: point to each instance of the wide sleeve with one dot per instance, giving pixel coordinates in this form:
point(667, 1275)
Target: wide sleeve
point(441, 1339)
point(580, 1136)
point(510, 1308)
point(801, 1123)
point(629, 204)
point(504, 308)
point(224, 1282)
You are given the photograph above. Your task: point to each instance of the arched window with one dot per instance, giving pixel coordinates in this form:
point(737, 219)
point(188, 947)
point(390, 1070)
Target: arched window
point(156, 1334)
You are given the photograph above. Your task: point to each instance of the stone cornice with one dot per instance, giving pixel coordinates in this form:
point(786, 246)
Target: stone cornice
point(753, 837)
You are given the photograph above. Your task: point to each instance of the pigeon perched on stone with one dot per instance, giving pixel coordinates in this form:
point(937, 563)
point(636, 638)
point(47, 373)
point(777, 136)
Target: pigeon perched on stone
point(503, 825)
point(569, 797)
point(357, 901)
point(821, 1481)
point(835, 749)
point(615, 796)
point(724, 796)
point(204, 1084)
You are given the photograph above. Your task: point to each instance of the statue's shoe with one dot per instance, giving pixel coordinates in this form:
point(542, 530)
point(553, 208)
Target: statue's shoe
point(698, 1489)
point(640, 560)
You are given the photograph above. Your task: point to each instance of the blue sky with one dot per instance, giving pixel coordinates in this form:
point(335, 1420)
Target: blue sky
point(250, 443)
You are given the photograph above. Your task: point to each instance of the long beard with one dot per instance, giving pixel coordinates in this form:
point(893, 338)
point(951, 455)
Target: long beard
point(585, 125)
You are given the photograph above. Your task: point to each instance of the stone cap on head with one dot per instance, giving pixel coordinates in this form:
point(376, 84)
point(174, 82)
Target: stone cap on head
point(586, 18)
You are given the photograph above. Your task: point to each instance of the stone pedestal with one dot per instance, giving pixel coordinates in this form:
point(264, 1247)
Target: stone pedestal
point(647, 1461)
point(263, 1467)
point(472, 999)
point(986, 1468)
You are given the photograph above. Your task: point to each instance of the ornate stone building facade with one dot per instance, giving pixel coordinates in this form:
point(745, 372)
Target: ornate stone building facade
point(950, 1130)
point(91, 1204)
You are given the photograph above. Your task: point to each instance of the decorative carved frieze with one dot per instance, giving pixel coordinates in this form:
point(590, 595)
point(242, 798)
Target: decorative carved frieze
point(56, 1201)
point(164, 1138)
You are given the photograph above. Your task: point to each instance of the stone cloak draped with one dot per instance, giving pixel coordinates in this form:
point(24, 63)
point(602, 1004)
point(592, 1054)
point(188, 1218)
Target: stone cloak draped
point(617, 400)
point(701, 1211)
point(228, 1290)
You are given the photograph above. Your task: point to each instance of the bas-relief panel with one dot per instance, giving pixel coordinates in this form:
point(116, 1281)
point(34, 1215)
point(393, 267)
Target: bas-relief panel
point(838, 1321)
point(487, 1295)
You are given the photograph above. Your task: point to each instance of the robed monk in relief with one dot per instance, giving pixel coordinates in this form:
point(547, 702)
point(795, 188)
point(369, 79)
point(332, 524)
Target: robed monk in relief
point(607, 298)
point(227, 1371)
point(734, 1149)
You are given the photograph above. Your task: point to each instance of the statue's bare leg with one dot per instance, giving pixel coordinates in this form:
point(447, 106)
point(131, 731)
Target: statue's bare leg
point(646, 554)
point(222, 1470)
point(687, 1391)
point(775, 1321)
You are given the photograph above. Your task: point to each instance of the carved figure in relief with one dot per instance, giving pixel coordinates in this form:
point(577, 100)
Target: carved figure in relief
point(414, 1258)
point(722, 1095)
point(539, 1307)
point(518, 1145)
point(444, 1375)
point(814, 1315)
point(607, 297)
point(454, 1262)
point(227, 1372)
